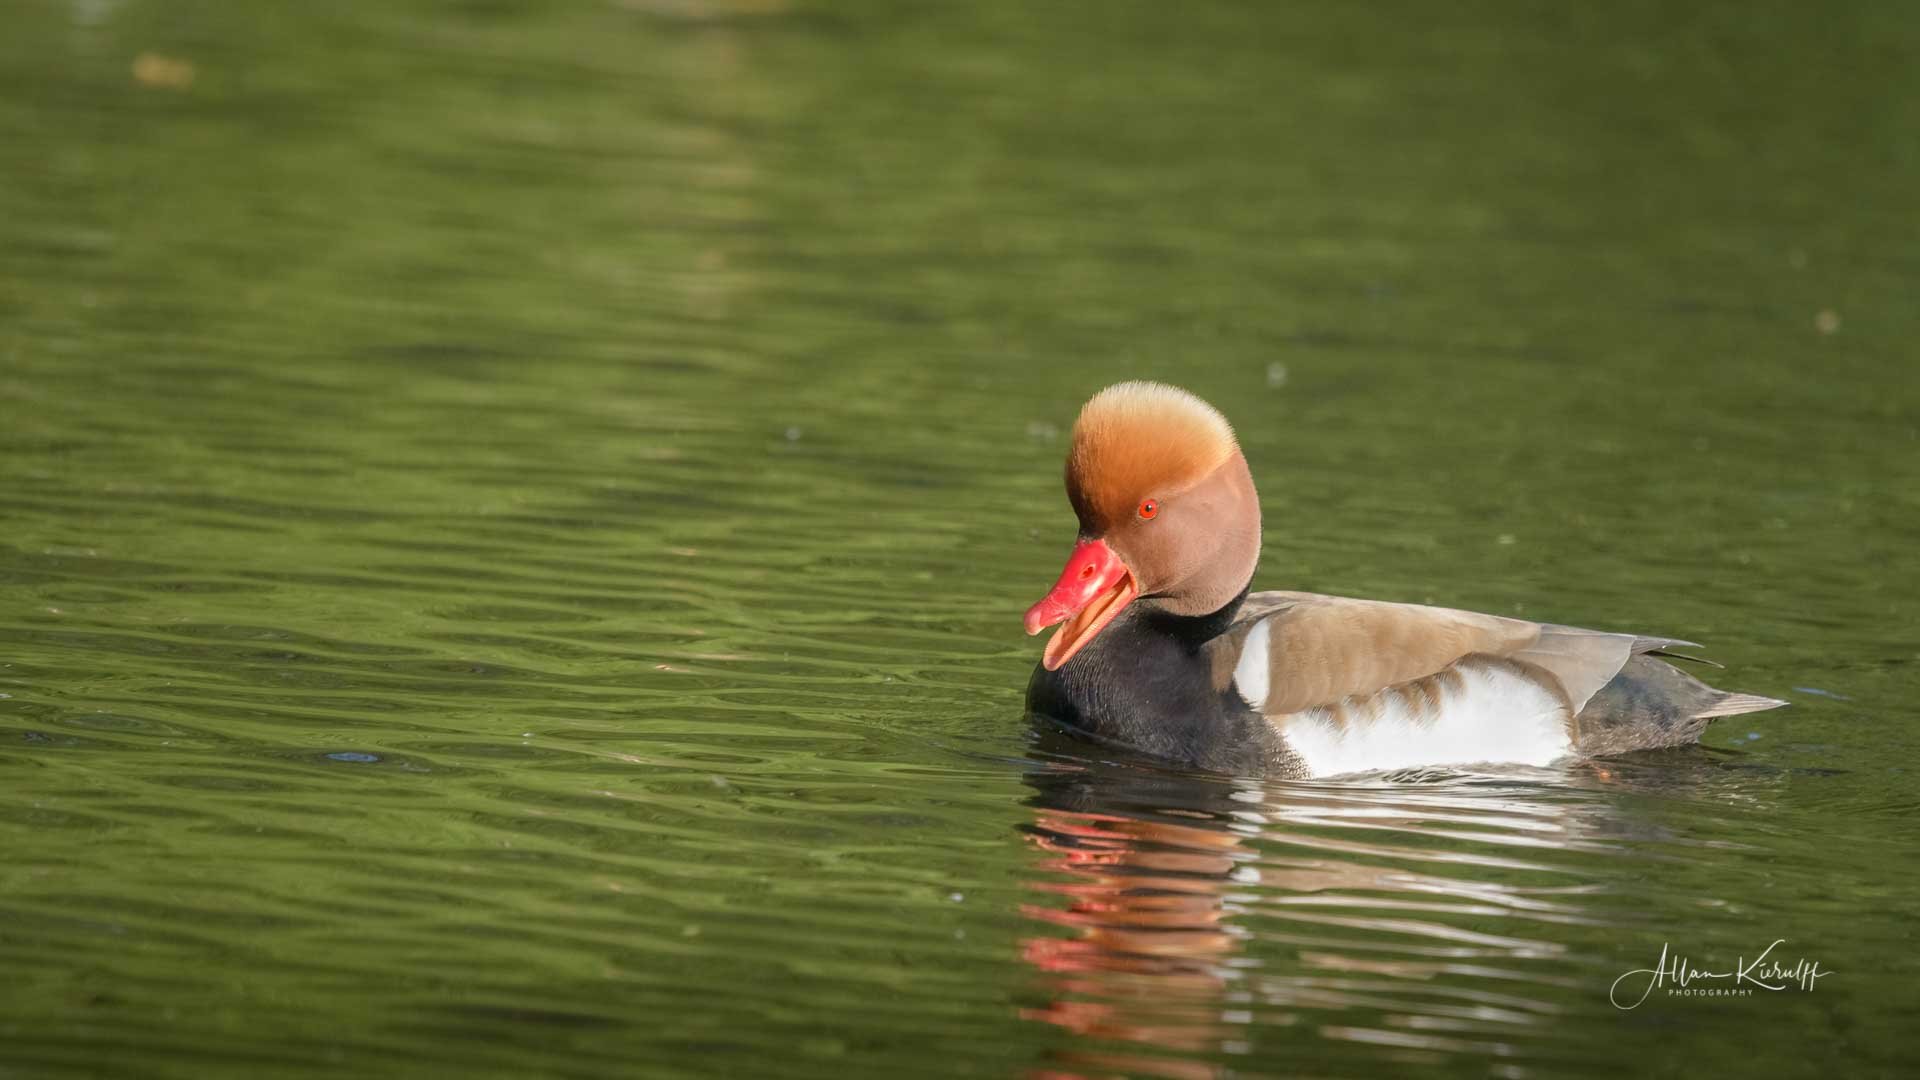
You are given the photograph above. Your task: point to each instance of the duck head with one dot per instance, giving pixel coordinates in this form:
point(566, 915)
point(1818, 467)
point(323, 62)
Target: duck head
point(1168, 515)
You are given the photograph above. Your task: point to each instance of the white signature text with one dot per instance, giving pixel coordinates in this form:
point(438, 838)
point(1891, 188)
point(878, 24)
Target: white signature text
point(1678, 976)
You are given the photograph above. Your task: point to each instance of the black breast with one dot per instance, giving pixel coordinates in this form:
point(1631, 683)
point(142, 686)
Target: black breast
point(1146, 683)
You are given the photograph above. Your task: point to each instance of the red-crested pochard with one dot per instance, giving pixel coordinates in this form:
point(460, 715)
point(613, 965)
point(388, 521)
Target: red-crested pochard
point(1164, 650)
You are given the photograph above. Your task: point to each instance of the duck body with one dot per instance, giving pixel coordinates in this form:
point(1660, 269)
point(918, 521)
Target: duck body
point(1164, 650)
point(1216, 693)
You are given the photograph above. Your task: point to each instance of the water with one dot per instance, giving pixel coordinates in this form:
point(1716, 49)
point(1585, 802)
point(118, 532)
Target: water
point(517, 517)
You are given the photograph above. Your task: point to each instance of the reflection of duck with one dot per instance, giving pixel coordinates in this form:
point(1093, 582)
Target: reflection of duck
point(1163, 649)
point(1146, 872)
point(1189, 925)
point(1210, 919)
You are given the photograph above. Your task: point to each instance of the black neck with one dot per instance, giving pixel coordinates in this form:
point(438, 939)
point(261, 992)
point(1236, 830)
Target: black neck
point(1191, 630)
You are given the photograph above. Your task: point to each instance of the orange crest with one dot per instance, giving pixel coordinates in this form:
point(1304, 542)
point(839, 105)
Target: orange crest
point(1141, 441)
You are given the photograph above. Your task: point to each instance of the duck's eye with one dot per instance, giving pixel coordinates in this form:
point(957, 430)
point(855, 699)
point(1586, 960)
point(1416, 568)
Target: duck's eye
point(1148, 508)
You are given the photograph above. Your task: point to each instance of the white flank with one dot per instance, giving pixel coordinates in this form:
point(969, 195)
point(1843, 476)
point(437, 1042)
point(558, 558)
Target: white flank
point(1250, 674)
point(1499, 716)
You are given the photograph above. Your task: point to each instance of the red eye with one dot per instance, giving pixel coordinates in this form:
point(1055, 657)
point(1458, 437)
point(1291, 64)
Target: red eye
point(1148, 508)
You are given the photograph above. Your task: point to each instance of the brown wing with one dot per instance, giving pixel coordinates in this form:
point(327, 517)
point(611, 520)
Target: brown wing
point(1323, 649)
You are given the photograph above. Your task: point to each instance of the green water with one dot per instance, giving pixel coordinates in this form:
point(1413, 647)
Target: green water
point(516, 520)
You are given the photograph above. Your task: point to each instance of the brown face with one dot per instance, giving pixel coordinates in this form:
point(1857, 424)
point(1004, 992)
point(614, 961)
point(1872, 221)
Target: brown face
point(1167, 512)
point(1194, 548)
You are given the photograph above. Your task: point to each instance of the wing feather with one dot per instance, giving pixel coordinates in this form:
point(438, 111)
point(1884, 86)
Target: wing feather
point(1321, 650)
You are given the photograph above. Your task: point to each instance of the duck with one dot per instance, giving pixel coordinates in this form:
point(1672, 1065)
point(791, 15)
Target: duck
point(1163, 648)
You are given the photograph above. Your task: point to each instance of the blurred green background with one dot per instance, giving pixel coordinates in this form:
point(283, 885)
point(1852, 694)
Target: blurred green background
point(516, 517)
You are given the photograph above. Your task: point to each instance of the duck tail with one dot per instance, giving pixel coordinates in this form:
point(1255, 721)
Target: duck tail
point(1651, 703)
point(1735, 704)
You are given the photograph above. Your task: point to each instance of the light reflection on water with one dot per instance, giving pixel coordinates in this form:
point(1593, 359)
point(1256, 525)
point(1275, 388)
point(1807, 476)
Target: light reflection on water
point(1420, 918)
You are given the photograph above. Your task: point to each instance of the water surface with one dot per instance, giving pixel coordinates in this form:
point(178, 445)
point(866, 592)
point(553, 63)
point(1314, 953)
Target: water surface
point(517, 516)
